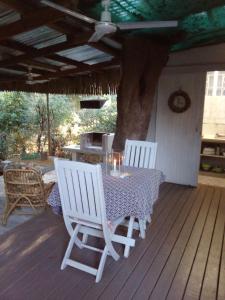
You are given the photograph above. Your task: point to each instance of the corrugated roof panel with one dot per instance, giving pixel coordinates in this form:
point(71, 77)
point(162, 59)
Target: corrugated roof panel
point(85, 53)
point(7, 15)
point(40, 37)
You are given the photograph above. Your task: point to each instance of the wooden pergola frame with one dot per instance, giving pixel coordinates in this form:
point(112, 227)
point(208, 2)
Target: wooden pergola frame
point(32, 16)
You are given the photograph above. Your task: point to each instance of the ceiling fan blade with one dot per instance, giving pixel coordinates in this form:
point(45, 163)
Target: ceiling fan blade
point(112, 43)
point(147, 25)
point(68, 11)
point(96, 36)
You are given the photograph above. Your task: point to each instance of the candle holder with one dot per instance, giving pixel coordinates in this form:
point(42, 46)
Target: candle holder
point(113, 163)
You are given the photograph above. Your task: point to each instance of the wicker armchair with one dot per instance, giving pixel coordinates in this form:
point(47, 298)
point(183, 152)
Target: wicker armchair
point(24, 188)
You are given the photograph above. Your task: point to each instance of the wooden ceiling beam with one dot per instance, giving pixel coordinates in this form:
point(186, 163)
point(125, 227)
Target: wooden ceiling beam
point(32, 20)
point(104, 48)
point(20, 6)
point(64, 28)
point(24, 69)
point(75, 71)
point(6, 78)
point(60, 26)
point(23, 7)
point(29, 50)
point(65, 73)
point(41, 65)
point(73, 42)
point(66, 60)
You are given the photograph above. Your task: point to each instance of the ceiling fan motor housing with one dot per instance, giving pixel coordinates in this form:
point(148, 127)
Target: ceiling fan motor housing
point(105, 27)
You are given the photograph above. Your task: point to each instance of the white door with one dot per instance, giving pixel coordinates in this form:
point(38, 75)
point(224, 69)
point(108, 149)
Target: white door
point(179, 134)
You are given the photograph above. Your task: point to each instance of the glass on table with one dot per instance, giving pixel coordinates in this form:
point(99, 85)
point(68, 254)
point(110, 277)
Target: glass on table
point(114, 163)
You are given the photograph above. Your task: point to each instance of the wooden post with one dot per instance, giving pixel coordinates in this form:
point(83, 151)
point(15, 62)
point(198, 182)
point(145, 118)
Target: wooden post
point(142, 63)
point(48, 123)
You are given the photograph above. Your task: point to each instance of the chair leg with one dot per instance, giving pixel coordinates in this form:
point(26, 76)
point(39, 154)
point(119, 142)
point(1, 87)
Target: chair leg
point(149, 219)
point(129, 234)
point(142, 225)
point(7, 211)
point(84, 238)
point(71, 231)
point(70, 246)
point(101, 265)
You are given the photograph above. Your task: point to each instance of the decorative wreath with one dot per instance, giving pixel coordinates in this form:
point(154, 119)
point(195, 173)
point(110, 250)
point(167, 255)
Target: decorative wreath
point(179, 101)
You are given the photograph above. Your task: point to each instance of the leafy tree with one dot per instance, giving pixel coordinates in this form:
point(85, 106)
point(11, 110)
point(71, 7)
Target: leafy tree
point(23, 118)
point(60, 114)
point(103, 119)
point(14, 120)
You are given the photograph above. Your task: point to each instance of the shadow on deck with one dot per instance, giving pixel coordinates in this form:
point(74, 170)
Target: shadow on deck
point(182, 257)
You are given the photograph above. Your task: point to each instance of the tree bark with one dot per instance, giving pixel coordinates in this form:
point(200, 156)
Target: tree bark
point(142, 63)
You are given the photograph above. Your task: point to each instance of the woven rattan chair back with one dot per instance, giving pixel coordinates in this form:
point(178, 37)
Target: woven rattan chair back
point(23, 188)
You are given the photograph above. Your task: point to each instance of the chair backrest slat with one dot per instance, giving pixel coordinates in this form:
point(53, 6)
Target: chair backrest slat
point(140, 154)
point(97, 195)
point(81, 190)
point(77, 191)
point(70, 189)
point(90, 194)
point(137, 157)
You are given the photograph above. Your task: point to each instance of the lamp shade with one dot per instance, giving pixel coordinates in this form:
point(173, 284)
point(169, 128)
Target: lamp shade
point(92, 103)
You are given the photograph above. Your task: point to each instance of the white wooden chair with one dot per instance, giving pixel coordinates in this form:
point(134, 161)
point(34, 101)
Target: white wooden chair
point(139, 154)
point(83, 205)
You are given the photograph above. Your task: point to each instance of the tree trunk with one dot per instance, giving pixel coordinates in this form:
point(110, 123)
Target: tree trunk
point(142, 63)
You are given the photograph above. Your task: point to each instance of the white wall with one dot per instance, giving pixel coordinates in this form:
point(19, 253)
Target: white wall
point(178, 134)
point(183, 67)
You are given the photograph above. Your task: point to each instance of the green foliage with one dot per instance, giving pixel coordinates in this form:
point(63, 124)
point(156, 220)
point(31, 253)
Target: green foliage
point(14, 112)
point(3, 147)
point(103, 119)
point(15, 120)
point(23, 118)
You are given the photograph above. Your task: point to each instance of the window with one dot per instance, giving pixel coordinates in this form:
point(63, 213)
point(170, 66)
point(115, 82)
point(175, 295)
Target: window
point(215, 84)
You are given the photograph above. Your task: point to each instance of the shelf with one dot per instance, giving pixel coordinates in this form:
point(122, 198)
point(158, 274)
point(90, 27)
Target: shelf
point(214, 140)
point(212, 174)
point(212, 155)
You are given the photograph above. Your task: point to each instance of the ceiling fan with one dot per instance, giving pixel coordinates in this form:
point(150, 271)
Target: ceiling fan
point(105, 26)
point(31, 77)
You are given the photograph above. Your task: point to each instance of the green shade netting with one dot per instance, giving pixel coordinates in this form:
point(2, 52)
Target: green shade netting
point(202, 22)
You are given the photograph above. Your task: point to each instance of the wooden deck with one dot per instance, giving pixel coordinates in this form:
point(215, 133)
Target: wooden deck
point(183, 256)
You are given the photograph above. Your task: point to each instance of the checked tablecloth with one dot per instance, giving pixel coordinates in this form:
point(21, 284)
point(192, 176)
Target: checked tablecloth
point(130, 196)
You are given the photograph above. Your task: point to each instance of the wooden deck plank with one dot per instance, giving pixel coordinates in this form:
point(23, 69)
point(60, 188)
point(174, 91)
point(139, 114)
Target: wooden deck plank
point(180, 279)
point(16, 237)
point(197, 214)
point(117, 279)
point(157, 266)
point(183, 255)
point(221, 285)
point(34, 247)
point(210, 283)
point(194, 284)
point(129, 288)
